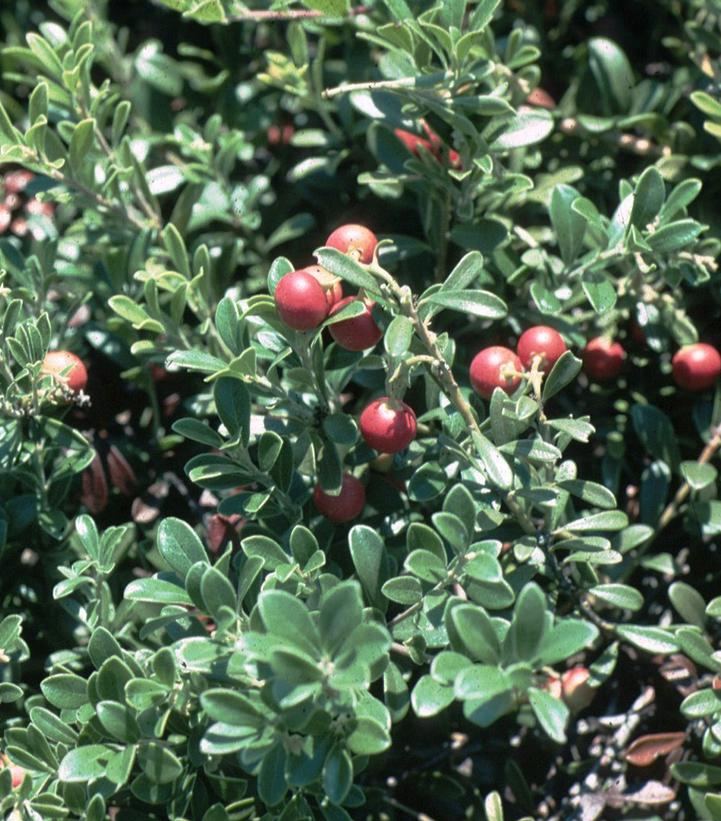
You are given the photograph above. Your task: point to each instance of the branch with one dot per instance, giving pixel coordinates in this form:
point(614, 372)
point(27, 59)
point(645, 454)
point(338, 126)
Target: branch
point(628, 142)
point(263, 15)
point(374, 85)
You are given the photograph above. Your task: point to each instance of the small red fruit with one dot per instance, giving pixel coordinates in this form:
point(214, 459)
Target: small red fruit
point(357, 333)
point(17, 774)
point(577, 692)
point(74, 379)
point(388, 425)
point(413, 142)
point(354, 239)
point(301, 301)
point(331, 284)
point(541, 341)
point(603, 359)
point(280, 134)
point(553, 686)
point(495, 367)
point(347, 505)
point(541, 99)
point(696, 367)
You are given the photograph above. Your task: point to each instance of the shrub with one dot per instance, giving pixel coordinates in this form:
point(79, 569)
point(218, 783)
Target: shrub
point(358, 411)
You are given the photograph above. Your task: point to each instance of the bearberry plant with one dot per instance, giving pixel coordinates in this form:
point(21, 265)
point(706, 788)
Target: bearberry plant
point(360, 410)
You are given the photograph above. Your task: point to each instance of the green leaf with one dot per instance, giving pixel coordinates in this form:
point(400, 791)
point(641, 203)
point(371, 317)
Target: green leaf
point(426, 566)
point(232, 401)
point(552, 713)
point(198, 431)
point(481, 681)
point(600, 291)
point(337, 774)
point(403, 590)
point(675, 235)
point(529, 622)
point(368, 738)
point(608, 520)
point(180, 546)
point(565, 370)
point(613, 74)
point(618, 595)
point(477, 303)
point(591, 492)
point(569, 225)
point(495, 465)
point(368, 552)
point(159, 764)
point(653, 640)
point(65, 690)
point(346, 268)
point(196, 361)
point(528, 127)
point(689, 604)
point(287, 617)
point(80, 143)
point(648, 197)
point(229, 707)
point(85, 764)
point(698, 475)
point(696, 774)
point(217, 591)
point(398, 336)
point(157, 591)
point(472, 632)
point(565, 639)
point(429, 697)
point(427, 482)
point(701, 704)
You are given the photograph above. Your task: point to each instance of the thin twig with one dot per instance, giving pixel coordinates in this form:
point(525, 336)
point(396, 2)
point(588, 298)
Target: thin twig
point(374, 85)
point(266, 15)
point(628, 142)
point(99, 199)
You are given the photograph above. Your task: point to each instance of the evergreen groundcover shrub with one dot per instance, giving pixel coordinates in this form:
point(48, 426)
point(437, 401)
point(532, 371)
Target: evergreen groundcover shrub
point(359, 410)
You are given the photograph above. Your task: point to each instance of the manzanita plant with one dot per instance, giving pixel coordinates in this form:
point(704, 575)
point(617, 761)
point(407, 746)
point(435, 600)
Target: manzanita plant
point(359, 411)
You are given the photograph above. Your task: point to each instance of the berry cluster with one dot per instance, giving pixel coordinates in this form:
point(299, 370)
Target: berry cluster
point(431, 143)
point(16, 205)
point(499, 367)
point(306, 297)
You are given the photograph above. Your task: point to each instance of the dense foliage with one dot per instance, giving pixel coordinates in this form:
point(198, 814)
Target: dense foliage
point(445, 548)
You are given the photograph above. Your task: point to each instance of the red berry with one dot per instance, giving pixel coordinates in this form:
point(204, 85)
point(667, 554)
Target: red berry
point(577, 692)
point(495, 367)
point(603, 359)
point(57, 361)
point(413, 142)
point(354, 239)
point(347, 505)
point(357, 333)
point(280, 134)
point(541, 99)
point(553, 686)
point(696, 367)
point(388, 425)
point(301, 301)
point(330, 283)
point(17, 181)
point(17, 774)
point(541, 341)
